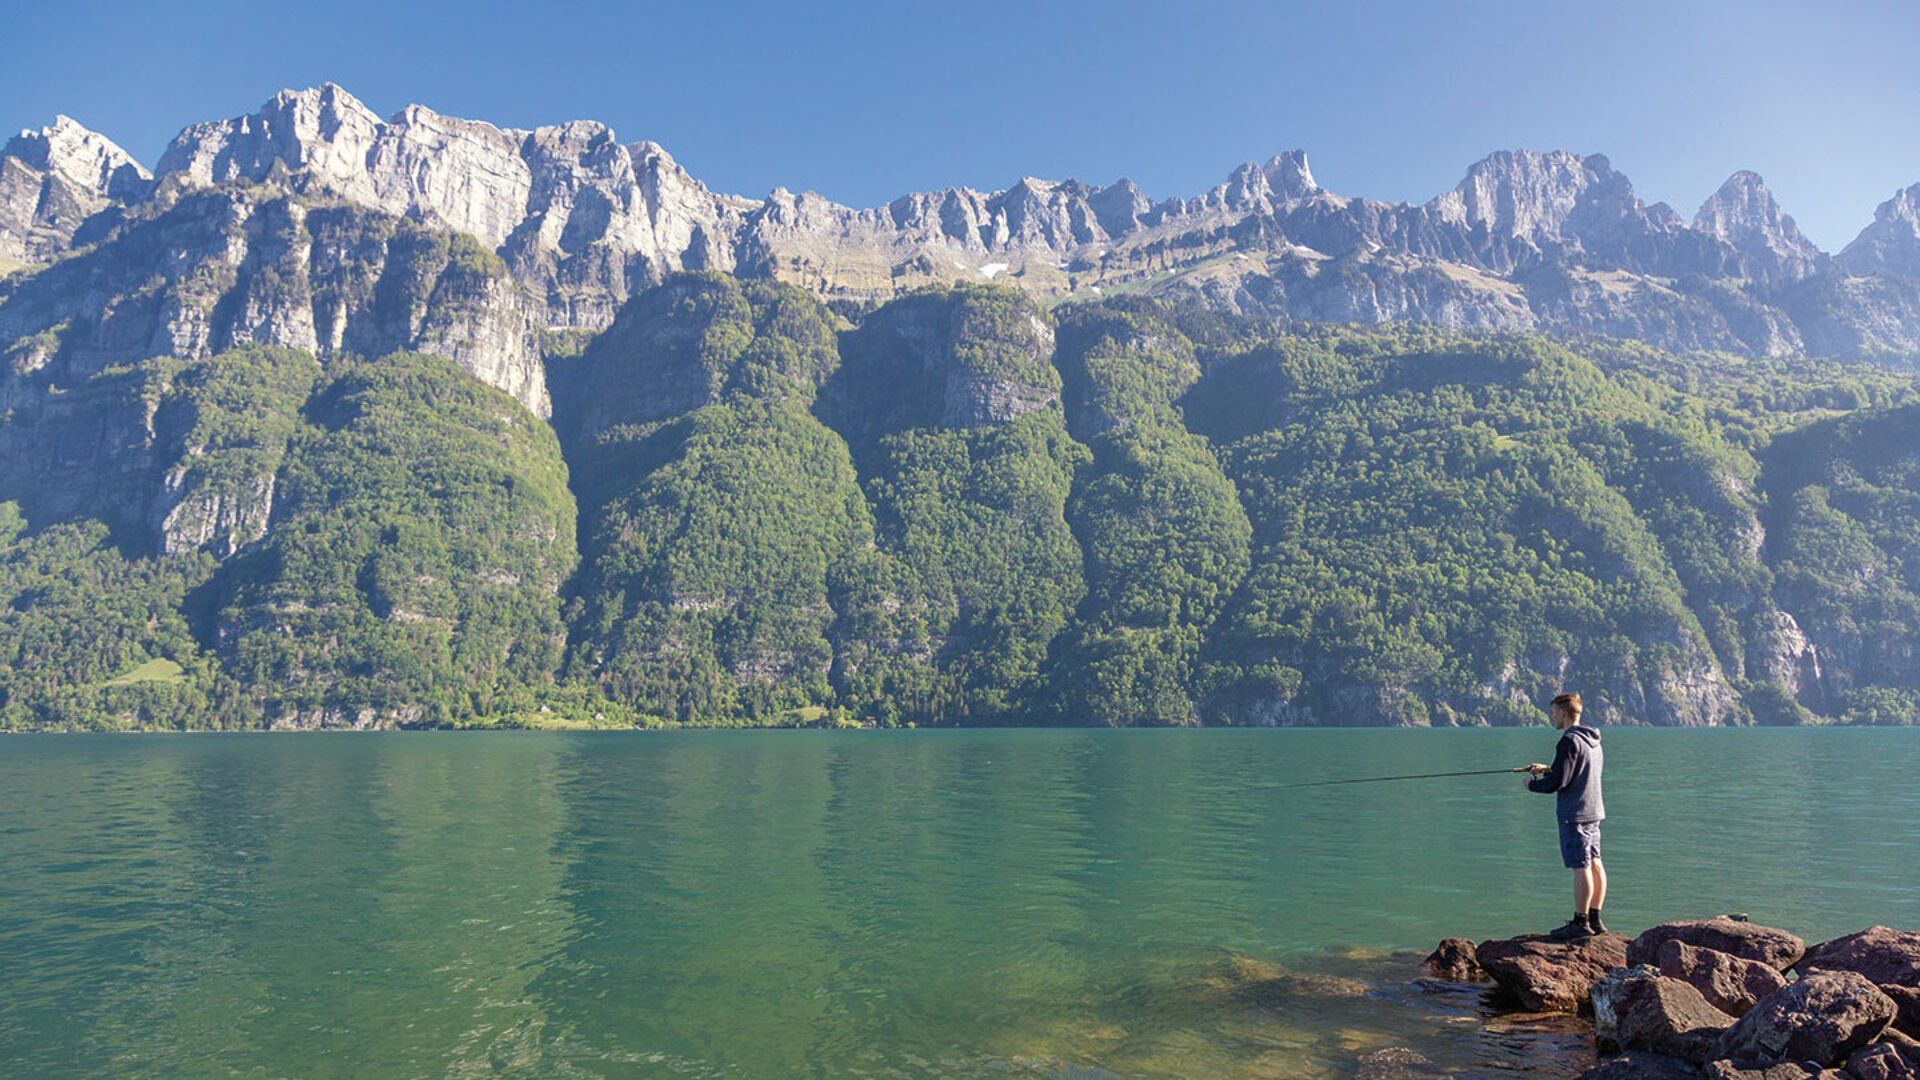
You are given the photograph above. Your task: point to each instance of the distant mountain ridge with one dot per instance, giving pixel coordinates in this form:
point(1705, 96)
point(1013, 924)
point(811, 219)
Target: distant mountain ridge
point(1549, 242)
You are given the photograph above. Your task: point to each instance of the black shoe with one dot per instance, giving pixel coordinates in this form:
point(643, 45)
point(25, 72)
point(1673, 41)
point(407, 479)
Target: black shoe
point(1594, 924)
point(1573, 931)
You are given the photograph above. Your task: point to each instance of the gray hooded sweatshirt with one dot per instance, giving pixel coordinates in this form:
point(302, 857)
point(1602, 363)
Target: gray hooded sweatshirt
point(1575, 776)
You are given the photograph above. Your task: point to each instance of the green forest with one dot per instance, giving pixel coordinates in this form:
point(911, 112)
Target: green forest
point(960, 508)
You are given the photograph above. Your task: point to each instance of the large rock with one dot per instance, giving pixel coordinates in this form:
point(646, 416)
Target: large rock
point(1454, 960)
point(1670, 1017)
point(1545, 975)
point(1821, 1018)
point(1606, 998)
point(1888, 957)
point(1748, 941)
point(1731, 984)
point(1642, 1066)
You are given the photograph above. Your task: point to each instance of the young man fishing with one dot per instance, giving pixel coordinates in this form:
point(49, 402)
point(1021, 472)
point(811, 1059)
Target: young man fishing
point(1575, 777)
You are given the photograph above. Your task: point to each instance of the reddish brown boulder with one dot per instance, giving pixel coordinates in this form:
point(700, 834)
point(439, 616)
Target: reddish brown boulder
point(1822, 1018)
point(1730, 983)
point(1454, 961)
point(1879, 1062)
point(1667, 1016)
point(1544, 975)
point(1748, 941)
point(1642, 1066)
point(1888, 957)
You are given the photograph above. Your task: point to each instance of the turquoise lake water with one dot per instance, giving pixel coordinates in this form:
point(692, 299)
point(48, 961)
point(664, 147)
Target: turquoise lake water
point(899, 904)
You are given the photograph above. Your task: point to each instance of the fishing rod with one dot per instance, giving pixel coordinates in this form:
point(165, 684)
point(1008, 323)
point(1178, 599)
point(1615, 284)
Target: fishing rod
point(1414, 776)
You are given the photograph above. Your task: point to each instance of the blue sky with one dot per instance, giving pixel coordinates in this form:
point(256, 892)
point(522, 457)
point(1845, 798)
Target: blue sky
point(863, 102)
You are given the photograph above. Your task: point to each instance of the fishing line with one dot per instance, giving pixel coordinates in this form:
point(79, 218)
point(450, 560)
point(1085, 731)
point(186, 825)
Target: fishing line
point(1384, 779)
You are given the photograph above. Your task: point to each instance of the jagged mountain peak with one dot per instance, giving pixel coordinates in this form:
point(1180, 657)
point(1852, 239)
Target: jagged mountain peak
point(1531, 194)
point(79, 154)
point(1892, 243)
point(1744, 213)
point(1276, 185)
point(57, 179)
point(1287, 174)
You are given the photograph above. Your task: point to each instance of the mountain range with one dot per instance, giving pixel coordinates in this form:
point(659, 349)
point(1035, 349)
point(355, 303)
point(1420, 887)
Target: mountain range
point(1555, 243)
point(333, 421)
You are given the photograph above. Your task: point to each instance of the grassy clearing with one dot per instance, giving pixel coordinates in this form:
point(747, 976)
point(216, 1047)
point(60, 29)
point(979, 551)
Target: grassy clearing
point(153, 671)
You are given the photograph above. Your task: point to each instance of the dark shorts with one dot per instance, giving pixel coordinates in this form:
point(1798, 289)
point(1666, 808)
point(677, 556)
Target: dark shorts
point(1579, 843)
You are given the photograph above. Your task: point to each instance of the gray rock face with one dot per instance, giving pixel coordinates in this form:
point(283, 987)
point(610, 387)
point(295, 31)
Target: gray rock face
point(56, 181)
point(1891, 245)
point(222, 268)
point(1744, 214)
point(1549, 242)
point(584, 220)
point(971, 358)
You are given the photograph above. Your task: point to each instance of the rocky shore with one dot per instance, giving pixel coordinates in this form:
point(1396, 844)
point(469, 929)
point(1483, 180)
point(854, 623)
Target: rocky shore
point(1721, 998)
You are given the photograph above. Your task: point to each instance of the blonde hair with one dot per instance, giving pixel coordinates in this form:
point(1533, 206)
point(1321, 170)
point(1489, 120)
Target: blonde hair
point(1570, 703)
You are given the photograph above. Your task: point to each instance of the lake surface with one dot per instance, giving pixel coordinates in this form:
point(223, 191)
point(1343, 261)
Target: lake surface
point(900, 904)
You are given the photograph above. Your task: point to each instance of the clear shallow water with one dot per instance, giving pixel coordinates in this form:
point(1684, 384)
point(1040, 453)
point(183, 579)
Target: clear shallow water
point(1026, 903)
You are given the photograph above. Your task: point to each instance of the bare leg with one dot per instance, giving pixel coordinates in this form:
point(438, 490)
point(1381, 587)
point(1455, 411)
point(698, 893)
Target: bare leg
point(1598, 895)
point(1582, 888)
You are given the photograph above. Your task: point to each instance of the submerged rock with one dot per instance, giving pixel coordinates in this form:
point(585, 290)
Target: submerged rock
point(1748, 941)
point(1397, 1063)
point(1642, 1066)
point(1821, 1018)
point(1546, 975)
point(1454, 960)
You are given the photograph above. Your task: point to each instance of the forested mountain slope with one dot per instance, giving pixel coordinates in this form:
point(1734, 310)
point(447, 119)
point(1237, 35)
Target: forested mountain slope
point(953, 508)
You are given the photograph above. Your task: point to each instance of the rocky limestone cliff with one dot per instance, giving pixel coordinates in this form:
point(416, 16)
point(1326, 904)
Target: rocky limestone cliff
point(1550, 242)
point(1744, 214)
point(583, 220)
point(965, 358)
point(58, 181)
point(1891, 245)
point(197, 272)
